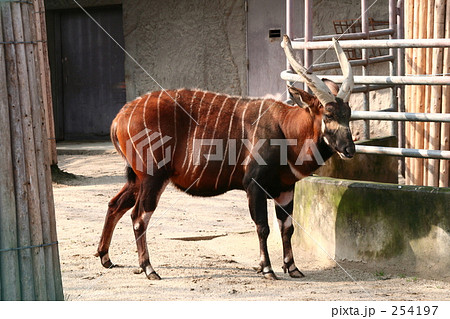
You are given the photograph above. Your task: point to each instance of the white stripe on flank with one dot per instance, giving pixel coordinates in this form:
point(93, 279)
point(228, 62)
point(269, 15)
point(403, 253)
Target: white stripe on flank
point(257, 121)
point(191, 160)
point(189, 130)
point(130, 161)
point(247, 159)
point(242, 143)
point(147, 130)
point(228, 138)
point(159, 122)
point(205, 127)
point(214, 133)
point(175, 124)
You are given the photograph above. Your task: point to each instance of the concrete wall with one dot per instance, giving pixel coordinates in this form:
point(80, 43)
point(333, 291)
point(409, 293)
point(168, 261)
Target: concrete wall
point(189, 43)
point(194, 44)
point(202, 44)
point(383, 225)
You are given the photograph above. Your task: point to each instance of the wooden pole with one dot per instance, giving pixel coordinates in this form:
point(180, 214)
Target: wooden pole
point(445, 127)
point(29, 152)
point(436, 92)
point(19, 170)
point(44, 69)
point(414, 89)
point(27, 215)
point(401, 72)
point(409, 17)
point(9, 261)
point(40, 137)
point(420, 106)
point(49, 155)
point(428, 69)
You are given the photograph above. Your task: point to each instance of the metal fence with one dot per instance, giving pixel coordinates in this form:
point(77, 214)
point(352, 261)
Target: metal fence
point(395, 81)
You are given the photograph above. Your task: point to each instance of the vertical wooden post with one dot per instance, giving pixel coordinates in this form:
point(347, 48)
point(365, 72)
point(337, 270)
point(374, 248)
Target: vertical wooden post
point(436, 92)
point(428, 68)
point(48, 156)
point(308, 54)
point(17, 145)
point(40, 137)
point(401, 58)
point(414, 89)
point(445, 127)
point(365, 68)
point(409, 34)
point(30, 151)
point(44, 69)
point(9, 262)
point(421, 24)
point(28, 251)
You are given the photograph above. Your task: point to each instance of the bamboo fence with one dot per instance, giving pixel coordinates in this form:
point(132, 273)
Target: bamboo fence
point(427, 19)
point(29, 258)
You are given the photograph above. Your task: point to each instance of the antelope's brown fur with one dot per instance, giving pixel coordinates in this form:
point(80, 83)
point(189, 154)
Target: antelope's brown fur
point(187, 115)
point(219, 117)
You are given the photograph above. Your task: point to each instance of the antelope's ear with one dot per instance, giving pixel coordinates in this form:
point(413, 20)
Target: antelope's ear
point(334, 88)
point(300, 97)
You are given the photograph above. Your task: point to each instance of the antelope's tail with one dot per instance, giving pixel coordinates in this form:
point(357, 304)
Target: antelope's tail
point(115, 141)
point(131, 175)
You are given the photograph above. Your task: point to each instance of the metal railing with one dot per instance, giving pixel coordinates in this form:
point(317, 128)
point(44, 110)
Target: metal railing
point(395, 81)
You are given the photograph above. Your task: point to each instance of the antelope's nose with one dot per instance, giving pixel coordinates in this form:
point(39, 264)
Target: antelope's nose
point(350, 151)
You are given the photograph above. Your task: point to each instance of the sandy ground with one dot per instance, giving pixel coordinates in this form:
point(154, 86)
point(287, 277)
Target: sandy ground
point(203, 248)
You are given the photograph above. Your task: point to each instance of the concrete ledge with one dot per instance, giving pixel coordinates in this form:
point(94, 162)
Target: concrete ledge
point(85, 148)
point(381, 224)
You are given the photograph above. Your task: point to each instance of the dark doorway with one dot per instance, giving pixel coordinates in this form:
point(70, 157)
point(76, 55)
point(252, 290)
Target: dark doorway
point(87, 71)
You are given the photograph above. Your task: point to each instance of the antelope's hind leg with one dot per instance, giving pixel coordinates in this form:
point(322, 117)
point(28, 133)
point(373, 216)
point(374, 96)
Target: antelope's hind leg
point(258, 210)
point(150, 191)
point(117, 207)
point(283, 207)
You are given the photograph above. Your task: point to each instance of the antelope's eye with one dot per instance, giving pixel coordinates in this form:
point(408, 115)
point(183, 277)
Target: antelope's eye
point(327, 117)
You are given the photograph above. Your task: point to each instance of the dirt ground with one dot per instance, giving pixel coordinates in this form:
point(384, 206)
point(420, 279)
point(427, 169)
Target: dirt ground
point(203, 248)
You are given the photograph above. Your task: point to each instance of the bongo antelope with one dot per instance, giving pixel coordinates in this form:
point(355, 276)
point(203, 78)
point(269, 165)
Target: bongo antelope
point(160, 125)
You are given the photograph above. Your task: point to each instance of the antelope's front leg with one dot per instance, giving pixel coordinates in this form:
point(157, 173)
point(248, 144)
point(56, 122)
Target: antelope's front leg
point(284, 205)
point(257, 201)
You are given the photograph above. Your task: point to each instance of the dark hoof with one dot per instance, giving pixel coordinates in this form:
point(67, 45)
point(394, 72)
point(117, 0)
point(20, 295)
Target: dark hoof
point(296, 273)
point(257, 269)
point(153, 276)
point(270, 275)
point(108, 264)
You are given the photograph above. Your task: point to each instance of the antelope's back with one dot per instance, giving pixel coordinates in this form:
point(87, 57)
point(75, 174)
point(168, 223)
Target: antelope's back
point(182, 126)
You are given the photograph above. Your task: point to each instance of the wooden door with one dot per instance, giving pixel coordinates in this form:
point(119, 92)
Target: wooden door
point(92, 88)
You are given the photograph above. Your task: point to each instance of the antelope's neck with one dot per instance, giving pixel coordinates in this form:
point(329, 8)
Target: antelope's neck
point(299, 124)
point(306, 129)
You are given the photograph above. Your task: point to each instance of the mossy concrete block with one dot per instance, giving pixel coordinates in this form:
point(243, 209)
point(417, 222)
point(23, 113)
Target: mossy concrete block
point(374, 222)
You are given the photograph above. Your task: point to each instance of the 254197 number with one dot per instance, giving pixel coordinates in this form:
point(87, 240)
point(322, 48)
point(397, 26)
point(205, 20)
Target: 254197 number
point(414, 310)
